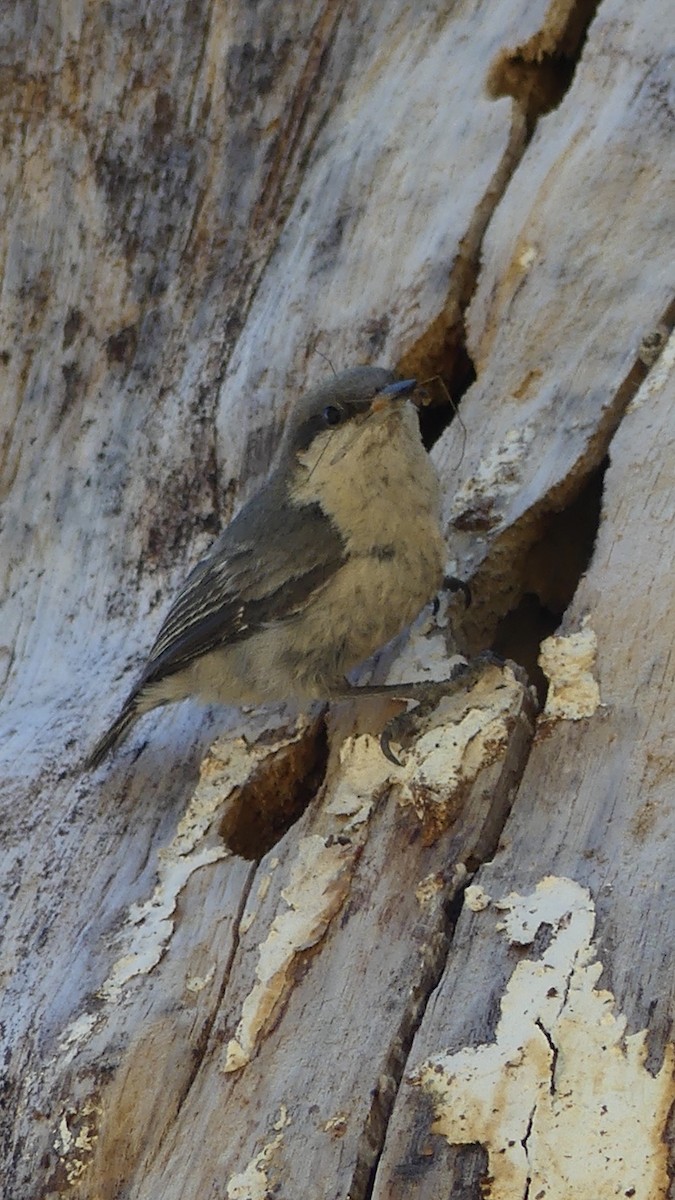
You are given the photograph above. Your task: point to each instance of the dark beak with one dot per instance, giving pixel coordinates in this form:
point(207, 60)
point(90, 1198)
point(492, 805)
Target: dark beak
point(393, 391)
point(402, 387)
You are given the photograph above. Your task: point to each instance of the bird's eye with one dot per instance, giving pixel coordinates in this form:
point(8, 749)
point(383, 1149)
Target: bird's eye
point(332, 415)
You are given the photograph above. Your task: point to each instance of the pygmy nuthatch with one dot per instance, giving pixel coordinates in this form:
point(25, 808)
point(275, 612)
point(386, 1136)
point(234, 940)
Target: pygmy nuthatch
point(337, 553)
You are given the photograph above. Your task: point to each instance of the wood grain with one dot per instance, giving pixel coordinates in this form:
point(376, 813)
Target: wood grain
point(195, 197)
point(594, 806)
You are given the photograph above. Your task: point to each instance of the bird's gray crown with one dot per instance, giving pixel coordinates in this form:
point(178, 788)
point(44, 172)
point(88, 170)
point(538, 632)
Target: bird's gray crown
point(334, 401)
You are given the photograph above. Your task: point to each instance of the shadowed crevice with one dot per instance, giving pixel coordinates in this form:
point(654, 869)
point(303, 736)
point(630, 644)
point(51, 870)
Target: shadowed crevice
point(539, 73)
point(266, 807)
point(389, 1079)
point(549, 577)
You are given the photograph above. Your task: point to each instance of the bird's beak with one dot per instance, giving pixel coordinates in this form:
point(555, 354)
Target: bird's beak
point(393, 391)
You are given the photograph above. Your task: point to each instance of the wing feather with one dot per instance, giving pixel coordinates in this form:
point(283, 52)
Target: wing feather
point(246, 583)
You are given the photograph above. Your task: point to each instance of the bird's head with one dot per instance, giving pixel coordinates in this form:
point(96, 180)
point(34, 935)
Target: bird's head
point(337, 411)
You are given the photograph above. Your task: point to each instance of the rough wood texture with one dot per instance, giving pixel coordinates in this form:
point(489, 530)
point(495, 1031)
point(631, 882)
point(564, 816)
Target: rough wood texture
point(195, 196)
point(561, 1109)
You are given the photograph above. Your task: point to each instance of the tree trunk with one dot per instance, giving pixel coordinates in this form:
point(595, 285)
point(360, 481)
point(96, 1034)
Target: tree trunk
point(274, 964)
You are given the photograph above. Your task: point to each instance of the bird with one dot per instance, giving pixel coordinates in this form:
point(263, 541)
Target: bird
point(337, 553)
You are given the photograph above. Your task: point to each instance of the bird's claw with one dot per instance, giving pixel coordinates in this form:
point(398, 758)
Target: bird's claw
point(452, 584)
point(404, 727)
point(385, 745)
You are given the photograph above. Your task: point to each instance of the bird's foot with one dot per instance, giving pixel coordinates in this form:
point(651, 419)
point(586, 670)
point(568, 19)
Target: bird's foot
point(403, 728)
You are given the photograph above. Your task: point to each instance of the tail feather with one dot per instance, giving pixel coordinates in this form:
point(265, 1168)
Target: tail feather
point(115, 734)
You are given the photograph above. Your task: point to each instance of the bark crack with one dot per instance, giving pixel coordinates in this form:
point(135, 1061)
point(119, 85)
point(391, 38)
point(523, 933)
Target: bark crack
point(554, 1053)
point(537, 75)
point(524, 1141)
point(554, 539)
point(199, 1050)
point(432, 968)
point(384, 1093)
point(272, 190)
point(275, 797)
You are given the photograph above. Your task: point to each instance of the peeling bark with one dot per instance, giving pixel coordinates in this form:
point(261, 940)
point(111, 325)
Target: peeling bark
point(272, 963)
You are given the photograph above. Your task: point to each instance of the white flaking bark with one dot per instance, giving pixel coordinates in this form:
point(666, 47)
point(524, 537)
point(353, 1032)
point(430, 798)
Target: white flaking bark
point(149, 925)
point(471, 729)
point(469, 732)
point(562, 1100)
point(476, 898)
point(569, 663)
point(318, 885)
point(660, 373)
point(76, 1138)
point(253, 1183)
point(194, 195)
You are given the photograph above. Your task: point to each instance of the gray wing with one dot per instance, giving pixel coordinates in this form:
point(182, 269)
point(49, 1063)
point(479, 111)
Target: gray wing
point(265, 567)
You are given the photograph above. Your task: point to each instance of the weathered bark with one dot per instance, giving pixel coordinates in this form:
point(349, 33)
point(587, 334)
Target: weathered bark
point(216, 980)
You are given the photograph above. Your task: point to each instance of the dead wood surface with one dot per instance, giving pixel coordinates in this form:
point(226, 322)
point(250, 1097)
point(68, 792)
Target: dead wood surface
point(559, 975)
point(195, 196)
